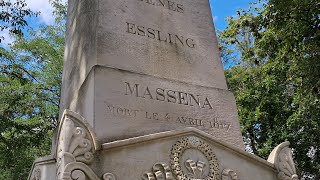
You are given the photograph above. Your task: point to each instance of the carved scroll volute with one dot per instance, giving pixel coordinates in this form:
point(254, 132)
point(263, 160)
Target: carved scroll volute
point(76, 144)
point(281, 157)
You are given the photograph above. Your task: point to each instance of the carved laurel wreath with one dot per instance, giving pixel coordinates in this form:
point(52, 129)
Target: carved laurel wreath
point(193, 142)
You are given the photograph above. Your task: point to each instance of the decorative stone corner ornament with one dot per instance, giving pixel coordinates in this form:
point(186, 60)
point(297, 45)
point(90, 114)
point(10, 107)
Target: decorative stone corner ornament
point(281, 157)
point(36, 174)
point(76, 148)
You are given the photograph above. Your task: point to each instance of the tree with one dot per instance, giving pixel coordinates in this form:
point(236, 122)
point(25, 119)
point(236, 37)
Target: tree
point(30, 83)
point(274, 51)
point(13, 16)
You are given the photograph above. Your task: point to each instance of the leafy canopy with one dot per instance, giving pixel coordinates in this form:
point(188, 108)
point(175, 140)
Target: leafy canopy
point(273, 52)
point(30, 81)
point(13, 15)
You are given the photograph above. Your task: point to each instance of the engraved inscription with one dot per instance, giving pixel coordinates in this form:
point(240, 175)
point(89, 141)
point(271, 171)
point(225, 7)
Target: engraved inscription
point(160, 36)
point(166, 4)
point(213, 123)
point(167, 95)
point(220, 125)
point(120, 111)
point(190, 121)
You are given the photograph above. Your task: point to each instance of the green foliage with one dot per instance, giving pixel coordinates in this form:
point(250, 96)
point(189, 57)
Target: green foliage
point(29, 98)
point(13, 14)
point(274, 48)
point(30, 83)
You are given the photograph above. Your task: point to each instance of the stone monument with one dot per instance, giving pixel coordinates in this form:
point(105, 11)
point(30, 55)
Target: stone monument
point(144, 97)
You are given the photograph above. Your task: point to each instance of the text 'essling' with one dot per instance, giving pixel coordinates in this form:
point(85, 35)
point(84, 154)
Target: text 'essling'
point(155, 34)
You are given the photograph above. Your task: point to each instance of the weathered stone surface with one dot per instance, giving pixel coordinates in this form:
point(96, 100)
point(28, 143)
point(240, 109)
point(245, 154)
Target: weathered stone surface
point(43, 168)
point(173, 155)
point(123, 104)
point(176, 41)
point(187, 153)
point(176, 155)
point(167, 48)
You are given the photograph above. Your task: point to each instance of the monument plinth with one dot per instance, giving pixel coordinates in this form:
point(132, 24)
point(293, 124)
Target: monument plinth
point(144, 97)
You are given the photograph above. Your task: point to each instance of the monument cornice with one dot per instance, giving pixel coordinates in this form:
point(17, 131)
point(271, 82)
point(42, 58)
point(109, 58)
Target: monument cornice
point(180, 133)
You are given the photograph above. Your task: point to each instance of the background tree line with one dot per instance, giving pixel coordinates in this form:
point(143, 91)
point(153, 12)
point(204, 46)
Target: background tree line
point(30, 81)
point(274, 52)
point(271, 53)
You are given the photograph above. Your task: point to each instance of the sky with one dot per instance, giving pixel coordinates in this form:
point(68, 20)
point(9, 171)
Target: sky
point(221, 9)
point(45, 17)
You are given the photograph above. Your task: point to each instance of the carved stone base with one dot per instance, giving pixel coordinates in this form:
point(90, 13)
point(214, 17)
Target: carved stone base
point(188, 154)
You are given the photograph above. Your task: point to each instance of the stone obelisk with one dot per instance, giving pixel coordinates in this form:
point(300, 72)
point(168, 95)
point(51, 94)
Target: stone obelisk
point(139, 67)
point(144, 96)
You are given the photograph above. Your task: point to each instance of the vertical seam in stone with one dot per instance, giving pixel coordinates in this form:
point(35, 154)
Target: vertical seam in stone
point(95, 54)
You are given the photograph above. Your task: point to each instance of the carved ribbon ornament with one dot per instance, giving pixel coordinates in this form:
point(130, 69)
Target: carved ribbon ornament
point(160, 171)
point(196, 168)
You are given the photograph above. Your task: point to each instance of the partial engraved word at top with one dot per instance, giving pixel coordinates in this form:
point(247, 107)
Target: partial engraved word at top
point(166, 4)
